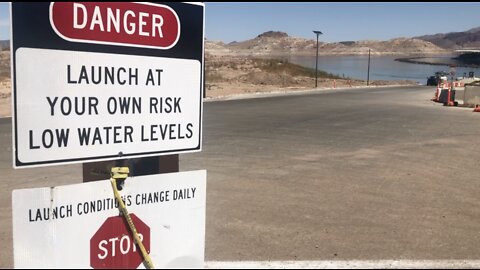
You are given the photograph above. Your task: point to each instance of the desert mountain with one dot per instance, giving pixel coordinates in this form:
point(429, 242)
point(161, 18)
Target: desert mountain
point(4, 45)
point(280, 43)
point(455, 40)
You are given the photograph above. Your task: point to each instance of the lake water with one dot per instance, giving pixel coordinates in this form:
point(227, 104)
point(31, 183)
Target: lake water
point(381, 67)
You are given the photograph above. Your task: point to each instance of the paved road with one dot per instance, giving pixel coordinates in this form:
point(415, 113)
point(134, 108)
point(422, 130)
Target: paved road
point(380, 173)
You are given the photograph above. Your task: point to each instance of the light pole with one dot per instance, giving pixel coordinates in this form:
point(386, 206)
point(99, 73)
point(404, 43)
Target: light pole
point(316, 61)
point(368, 70)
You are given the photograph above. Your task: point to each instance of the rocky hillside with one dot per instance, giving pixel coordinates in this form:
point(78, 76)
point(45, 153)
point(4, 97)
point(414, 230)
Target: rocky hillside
point(455, 40)
point(280, 43)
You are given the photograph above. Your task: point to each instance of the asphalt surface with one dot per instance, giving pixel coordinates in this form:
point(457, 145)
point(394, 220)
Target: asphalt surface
point(363, 174)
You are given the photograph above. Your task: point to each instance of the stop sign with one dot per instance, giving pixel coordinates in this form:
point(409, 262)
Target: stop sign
point(112, 246)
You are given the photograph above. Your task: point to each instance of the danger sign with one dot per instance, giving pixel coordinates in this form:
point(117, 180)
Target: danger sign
point(79, 226)
point(101, 81)
point(129, 24)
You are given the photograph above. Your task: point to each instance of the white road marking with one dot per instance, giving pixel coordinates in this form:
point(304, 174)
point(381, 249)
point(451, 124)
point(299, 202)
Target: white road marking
point(378, 264)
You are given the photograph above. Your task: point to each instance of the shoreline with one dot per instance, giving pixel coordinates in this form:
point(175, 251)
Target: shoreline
point(293, 92)
point(414, 60)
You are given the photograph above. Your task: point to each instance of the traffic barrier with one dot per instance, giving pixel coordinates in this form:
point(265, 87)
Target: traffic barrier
point(447, 97)
point(446, 93)
point(450, 98)
point(438, 96)
point(437, 93)
point(471, 96)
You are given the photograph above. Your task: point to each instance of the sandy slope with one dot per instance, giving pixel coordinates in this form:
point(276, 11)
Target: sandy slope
point(5, 88)
point(5, 98)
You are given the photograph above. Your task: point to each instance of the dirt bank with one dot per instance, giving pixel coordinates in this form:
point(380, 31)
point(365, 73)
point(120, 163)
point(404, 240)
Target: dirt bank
point(229, 75)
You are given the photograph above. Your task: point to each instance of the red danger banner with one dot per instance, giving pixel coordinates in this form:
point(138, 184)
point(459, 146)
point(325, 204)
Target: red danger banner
point(120, 23)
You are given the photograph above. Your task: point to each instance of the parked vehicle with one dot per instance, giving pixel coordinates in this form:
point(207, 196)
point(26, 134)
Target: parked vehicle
point(437, 78)
point(432, 80)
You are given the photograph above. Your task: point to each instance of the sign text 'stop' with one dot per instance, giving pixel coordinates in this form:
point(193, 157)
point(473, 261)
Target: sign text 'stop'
point(120, 23)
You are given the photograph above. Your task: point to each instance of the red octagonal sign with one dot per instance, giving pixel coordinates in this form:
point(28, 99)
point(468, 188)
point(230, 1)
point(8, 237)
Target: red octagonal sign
point(112, 246)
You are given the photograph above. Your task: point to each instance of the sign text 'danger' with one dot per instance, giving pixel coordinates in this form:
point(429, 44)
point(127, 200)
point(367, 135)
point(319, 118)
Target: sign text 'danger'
point(132, 24)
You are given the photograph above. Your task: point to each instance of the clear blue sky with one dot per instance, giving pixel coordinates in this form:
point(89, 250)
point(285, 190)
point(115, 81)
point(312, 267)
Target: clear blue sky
point(338, 21)
point(4, 21)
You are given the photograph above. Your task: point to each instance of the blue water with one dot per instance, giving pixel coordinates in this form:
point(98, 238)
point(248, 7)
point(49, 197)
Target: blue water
point(381, 67)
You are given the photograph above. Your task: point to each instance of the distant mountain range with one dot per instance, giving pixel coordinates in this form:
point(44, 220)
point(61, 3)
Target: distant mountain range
point(280, 43)
point(4, 45)
point(455, 40)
